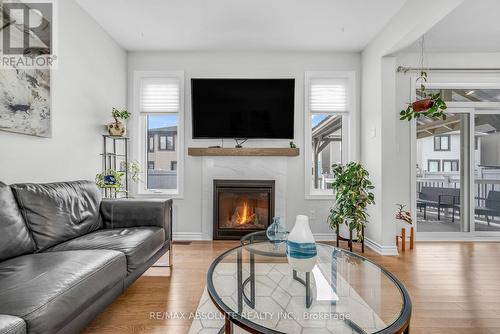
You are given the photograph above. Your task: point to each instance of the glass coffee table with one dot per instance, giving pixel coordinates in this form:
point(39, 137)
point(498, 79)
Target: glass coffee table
point(256, 289)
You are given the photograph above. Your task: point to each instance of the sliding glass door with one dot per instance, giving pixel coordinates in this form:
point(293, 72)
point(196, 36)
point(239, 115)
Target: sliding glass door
point(443, 173)
point(487, 171)
point(457, 179)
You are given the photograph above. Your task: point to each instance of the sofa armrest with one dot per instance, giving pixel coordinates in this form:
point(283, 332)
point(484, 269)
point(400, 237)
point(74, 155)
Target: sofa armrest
point(130, 212)
point(12, 325)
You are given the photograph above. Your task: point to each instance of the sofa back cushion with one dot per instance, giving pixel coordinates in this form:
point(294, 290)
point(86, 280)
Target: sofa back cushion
point(15, 239)
point(56, 212)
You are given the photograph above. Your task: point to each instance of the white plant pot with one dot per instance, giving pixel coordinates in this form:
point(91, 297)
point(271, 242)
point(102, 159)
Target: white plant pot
point(301, 246)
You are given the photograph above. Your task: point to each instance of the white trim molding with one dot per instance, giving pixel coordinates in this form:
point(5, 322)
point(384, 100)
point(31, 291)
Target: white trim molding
point(324, 237)
point(187, 236)
point(382, 250)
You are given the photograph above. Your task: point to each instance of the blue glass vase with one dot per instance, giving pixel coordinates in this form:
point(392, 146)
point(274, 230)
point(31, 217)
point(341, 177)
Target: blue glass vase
point(276, 232)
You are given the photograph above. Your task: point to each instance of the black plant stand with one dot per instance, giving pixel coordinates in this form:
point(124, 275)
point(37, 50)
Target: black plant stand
point(112, 154)
point(350, 240)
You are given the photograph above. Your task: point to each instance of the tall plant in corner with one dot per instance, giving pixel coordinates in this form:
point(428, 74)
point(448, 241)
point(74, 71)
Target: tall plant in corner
point(430, 105)
point(353, 194)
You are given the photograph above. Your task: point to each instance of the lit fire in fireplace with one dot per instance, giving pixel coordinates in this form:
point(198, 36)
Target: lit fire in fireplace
point(246, 216)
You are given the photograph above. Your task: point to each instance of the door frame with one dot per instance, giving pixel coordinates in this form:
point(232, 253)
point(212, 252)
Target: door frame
point(472, 108)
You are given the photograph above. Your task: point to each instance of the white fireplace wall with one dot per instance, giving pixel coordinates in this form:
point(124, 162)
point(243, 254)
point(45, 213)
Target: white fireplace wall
point(241, 168)
point(193, 211)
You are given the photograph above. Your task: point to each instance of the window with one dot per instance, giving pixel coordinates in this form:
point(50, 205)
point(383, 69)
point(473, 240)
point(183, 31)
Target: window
point(442, 143)
point(161, 105)
point(433, 166)
point(173, 165)
point(151, 144)
point(163, 143)
point(450, 165)
point(327, 105)
point(167, 143)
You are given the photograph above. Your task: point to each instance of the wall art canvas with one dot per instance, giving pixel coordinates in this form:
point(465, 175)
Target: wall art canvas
point(25, 102)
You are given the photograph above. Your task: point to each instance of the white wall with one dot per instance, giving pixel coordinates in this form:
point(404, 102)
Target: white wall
point(91, 78)
point(188, 211)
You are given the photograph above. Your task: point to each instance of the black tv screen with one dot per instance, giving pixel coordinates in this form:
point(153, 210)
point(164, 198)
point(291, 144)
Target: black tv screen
point(243, 108)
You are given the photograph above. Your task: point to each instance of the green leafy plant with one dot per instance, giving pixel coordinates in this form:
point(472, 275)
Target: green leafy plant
point(110, 178)
point(353, 194)
point(431, 105)
point(134, 168)
point(122, 114)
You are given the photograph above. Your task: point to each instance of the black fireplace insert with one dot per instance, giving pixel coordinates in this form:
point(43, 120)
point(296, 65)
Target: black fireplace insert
point(242, 207)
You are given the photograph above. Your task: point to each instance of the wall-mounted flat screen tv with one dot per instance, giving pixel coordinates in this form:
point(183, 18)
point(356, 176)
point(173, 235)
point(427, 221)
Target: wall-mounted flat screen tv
point(243, 108)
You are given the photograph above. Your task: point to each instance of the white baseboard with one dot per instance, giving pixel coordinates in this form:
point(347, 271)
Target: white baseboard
point(324, 236)
point(197, 236)
point(187, 236)
point(382, 250)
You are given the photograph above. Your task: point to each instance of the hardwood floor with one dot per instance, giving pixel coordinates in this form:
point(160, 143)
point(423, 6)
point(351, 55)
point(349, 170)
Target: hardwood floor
point(454, 287)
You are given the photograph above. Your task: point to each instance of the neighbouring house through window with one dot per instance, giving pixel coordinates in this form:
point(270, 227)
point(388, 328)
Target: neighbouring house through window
point(151, 144)
point(433, 165)
point(450, 165)
point(442, 143)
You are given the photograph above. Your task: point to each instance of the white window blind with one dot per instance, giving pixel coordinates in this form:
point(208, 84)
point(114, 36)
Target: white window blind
point(328, 94)
point(160, 95)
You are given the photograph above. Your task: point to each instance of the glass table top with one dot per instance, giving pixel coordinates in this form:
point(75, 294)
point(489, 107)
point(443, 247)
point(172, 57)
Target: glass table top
point(345, 293)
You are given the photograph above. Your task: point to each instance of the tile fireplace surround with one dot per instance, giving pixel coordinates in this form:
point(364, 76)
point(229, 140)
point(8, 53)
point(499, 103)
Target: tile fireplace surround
point(241, 168)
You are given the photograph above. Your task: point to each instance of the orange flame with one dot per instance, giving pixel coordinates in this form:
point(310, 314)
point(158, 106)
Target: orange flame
point(245, 217)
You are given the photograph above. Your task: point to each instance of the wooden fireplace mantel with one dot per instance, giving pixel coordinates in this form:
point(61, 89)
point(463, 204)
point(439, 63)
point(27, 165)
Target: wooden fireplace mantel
point(244, 151)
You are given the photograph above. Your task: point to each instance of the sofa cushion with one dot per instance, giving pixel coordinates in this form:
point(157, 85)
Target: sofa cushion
point(56, 212)
point(11, 325)
point(48, 290)
point(15, 239)
point(138, 244)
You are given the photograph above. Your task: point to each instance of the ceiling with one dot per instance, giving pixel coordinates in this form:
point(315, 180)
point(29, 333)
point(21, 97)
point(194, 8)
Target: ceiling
point(242, 25)
point(474, 26)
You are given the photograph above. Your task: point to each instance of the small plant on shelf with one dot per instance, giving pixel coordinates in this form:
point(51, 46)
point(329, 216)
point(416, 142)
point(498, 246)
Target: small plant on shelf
point(403, 215)
point(118, 128)
point(120, 114)
point(110, 178)
point(353, 194)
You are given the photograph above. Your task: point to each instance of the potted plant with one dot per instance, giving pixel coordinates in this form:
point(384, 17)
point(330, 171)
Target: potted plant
point(118, 128)
point(430, 105)
point(352, 188)
point(110, 178)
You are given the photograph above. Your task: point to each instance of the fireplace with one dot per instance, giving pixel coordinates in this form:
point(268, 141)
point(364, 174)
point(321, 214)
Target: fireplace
point(242, 207)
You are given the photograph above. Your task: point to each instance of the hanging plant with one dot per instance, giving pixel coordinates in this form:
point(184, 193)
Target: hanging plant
point(430, 105)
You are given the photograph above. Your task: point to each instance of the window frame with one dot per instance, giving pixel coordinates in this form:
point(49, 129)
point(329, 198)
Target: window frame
point(349, 118)
point(429, 165)
point(440, 149)
point(166, 136)
point(140, 132)
point(160, 136)
point(151, 147)
point(451, 161)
